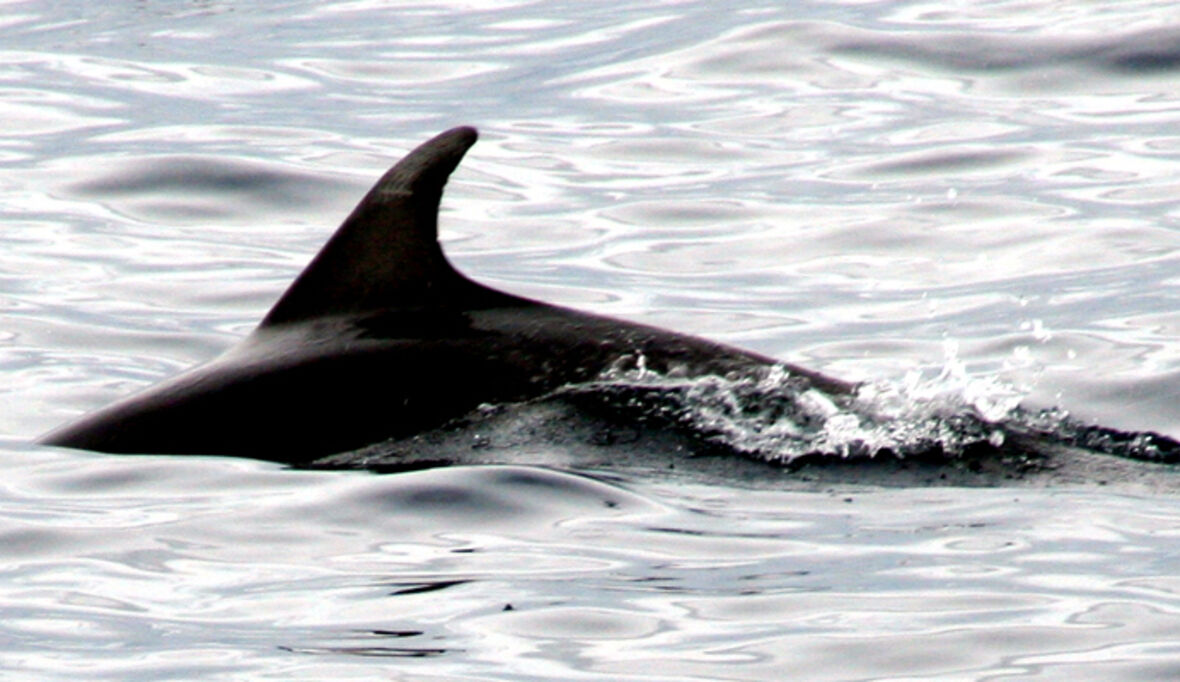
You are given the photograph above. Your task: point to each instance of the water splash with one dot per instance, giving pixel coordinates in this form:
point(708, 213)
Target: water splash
point(773, 415)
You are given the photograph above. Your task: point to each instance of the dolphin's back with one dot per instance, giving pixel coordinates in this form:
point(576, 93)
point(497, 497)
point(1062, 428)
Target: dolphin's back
point(299, 392)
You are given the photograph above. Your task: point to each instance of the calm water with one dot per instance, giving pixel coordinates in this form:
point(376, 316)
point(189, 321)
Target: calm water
point(945, 198)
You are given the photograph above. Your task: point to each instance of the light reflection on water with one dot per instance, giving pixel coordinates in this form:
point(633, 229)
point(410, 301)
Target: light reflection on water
point(507, 571)
point(842, 186)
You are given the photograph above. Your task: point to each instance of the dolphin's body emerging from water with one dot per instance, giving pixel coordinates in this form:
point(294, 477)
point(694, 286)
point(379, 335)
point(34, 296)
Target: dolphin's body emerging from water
point(380, 337)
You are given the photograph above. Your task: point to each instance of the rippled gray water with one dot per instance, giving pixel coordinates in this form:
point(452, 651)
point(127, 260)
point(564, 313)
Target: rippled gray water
point(946, 198)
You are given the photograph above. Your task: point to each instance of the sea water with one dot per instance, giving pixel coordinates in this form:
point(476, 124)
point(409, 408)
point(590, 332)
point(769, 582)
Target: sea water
point(943, 197)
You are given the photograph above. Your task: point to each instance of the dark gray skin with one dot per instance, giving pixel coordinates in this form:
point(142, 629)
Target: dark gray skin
point(380, 337)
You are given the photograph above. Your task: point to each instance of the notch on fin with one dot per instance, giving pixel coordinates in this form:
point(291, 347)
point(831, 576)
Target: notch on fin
point(386, 253)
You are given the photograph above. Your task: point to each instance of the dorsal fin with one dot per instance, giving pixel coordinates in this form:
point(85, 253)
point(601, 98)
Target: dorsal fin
point(386, 253)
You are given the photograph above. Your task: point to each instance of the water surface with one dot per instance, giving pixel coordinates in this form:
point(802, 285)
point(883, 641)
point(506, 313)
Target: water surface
point(878, 191)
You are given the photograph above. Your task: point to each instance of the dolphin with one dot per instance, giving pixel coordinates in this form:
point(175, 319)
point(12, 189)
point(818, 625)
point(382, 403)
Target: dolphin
point(380, 337)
